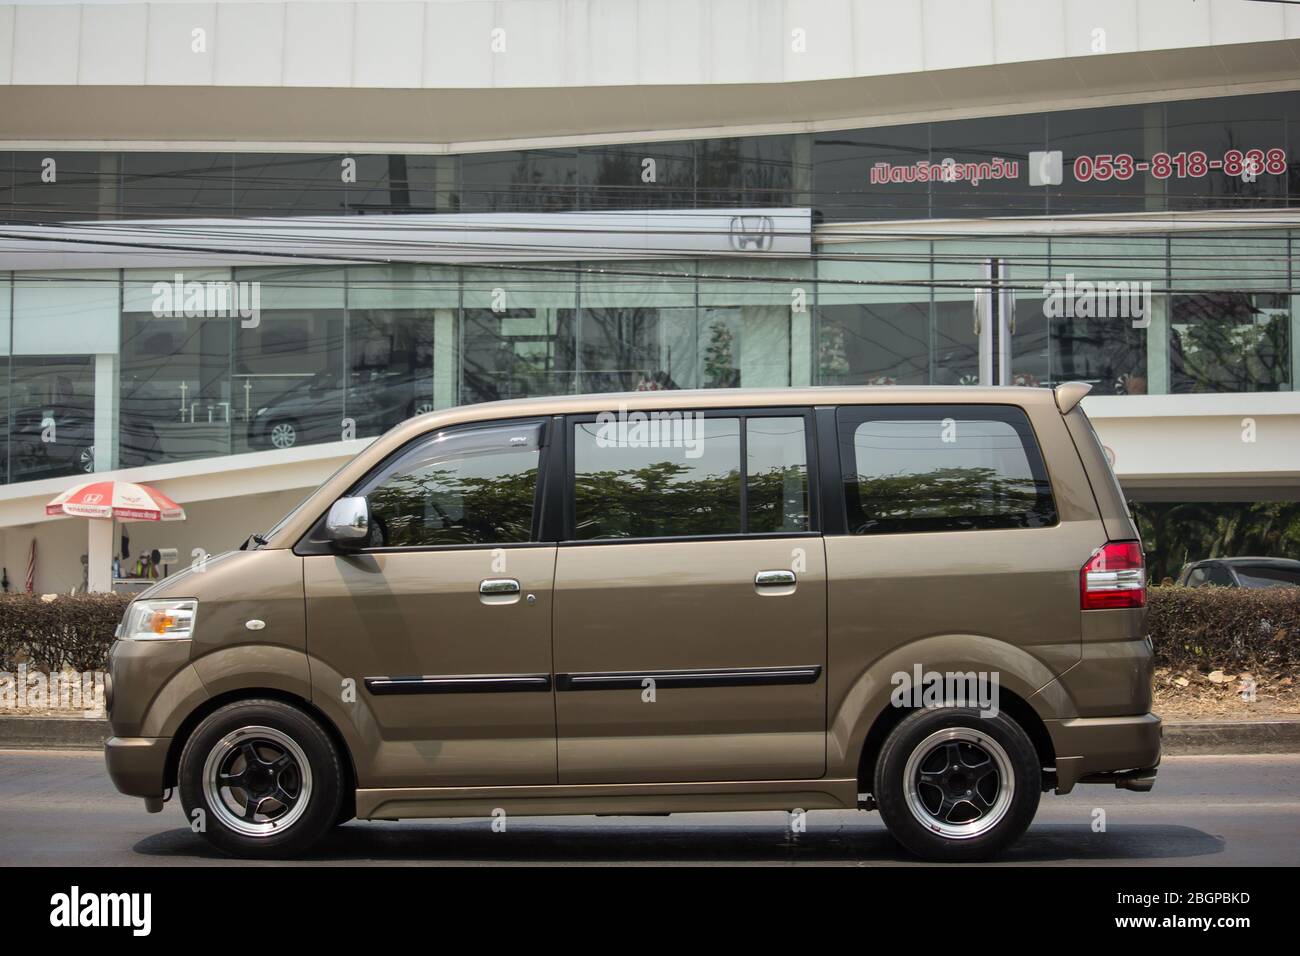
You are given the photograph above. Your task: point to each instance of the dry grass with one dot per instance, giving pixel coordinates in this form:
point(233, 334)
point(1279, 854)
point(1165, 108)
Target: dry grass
point(1190, 694)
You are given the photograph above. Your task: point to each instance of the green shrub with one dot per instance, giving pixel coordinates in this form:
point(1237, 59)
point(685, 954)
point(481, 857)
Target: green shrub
point(72, 630)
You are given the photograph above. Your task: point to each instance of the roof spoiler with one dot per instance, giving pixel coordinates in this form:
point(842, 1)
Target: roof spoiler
point(1070, 394)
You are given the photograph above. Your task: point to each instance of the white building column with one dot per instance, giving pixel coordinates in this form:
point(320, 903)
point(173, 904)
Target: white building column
point(445, 358)
point(99, 554)
point(1157, 333)
point(106, 415)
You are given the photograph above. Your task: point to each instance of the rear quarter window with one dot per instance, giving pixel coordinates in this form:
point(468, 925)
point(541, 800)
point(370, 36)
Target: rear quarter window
point(914, 468)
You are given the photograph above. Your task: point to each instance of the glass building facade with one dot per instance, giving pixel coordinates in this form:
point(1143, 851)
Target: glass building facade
point(94, 375)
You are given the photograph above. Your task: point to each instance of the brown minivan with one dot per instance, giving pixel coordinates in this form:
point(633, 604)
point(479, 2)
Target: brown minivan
point(926, 601)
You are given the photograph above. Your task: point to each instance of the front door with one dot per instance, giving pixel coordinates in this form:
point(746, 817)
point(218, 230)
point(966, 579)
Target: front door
point(690, 602)
point(443, 621)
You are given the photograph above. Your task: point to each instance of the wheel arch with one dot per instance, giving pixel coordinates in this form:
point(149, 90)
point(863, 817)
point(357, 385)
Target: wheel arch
point(1010, 703)
point(212, 704)
point(1027, 690)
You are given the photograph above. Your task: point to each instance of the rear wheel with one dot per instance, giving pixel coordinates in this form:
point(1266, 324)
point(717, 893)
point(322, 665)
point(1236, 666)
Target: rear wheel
point(266, 777)
point(953, 786)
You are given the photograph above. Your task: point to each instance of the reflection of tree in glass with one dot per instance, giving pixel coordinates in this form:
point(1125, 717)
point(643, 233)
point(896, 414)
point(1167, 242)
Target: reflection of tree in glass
point(1228, 345)
point(719, 363)
point(948, 498)
point(777, 500)
point(439, 507)
point(655, 501)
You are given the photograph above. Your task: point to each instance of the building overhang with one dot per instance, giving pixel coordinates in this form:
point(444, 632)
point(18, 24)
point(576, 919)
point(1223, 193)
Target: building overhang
point(344, 119)
point(1202, 447)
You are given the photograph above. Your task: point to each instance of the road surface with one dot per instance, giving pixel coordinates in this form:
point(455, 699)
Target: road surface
point(58, 808)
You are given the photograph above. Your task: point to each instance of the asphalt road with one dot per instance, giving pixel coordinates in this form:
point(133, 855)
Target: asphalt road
point(58, 808)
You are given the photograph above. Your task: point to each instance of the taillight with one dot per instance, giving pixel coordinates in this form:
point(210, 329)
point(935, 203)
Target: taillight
point(1115, 576)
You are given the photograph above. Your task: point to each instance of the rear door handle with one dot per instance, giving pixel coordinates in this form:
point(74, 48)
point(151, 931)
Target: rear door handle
point(775, 582)
point(498, 591)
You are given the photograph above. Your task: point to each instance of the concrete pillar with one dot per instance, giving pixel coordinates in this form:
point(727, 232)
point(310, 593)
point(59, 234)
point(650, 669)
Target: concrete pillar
point(445, 358)
point(99, 554)
point(1157, 334)
point(106, 417)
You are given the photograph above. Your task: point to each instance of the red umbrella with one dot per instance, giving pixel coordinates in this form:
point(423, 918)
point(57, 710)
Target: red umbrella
point(116, 499)
point(111, 499)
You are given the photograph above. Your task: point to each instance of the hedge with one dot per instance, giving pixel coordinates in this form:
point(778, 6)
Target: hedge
point(1236, 628)
point(71, 630)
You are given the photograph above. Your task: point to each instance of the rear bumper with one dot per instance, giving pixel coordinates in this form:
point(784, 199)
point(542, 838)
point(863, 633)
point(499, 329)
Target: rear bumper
point(1106, 750)
point(138, 765)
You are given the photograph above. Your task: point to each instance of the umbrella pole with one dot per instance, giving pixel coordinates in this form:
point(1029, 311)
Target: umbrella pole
point(99, 554)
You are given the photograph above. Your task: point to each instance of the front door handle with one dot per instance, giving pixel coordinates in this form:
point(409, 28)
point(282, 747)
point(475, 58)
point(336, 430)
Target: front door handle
point(498, 591)
point(775, 582)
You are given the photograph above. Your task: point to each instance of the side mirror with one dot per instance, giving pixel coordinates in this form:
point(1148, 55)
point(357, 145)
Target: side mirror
point(349, 521)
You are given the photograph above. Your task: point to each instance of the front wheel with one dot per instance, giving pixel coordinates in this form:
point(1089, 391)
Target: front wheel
point(260, 778)
point(954, 786)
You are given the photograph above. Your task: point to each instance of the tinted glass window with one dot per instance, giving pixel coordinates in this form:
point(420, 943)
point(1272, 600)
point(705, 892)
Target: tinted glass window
point(663, 477)
point(844, 161)
point(776, 475)
point(931, 468)
point(464, 487)
point(1263, 576)
point(1218, 575)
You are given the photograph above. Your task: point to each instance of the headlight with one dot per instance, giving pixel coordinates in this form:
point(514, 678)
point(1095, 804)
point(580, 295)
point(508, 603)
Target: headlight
point(158, 620)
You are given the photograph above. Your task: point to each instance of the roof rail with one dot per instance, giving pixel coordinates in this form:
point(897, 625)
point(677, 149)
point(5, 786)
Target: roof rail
point(1069, 394)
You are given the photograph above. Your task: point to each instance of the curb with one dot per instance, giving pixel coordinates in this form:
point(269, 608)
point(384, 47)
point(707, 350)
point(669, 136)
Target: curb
point(53, 733)
point(1181, 737)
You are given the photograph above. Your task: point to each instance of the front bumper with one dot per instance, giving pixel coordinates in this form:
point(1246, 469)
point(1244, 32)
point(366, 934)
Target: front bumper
point(138, 765)
point(1104, 749)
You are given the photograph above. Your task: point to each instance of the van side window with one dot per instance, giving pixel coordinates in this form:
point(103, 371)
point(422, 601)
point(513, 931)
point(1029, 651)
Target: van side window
point(776, 475)
point(470, 486)
point(660, 478)
point(942, 468)
point(682, 474)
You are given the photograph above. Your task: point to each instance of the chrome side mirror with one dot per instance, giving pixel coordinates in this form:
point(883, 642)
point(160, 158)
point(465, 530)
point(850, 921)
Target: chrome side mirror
point(348, 521)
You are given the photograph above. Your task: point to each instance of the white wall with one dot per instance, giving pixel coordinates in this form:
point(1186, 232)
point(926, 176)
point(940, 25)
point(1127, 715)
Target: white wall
point(449, 44)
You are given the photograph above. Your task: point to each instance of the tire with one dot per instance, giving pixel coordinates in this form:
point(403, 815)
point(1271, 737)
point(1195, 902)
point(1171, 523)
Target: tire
point(974, 783)
point(295, 759)
point(347, 808)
